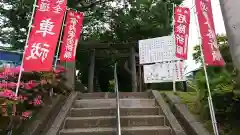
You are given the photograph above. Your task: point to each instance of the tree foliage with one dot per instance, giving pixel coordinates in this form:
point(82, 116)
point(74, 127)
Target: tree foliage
point(109, 21)
point(221, 80)
point(104, 19)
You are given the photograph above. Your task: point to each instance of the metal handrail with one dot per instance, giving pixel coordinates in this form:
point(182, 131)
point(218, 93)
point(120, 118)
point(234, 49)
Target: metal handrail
point(117, 100)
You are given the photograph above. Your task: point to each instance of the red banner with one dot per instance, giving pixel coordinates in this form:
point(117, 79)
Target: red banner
point(71, 36)
point(39, 53)
point(211, 51)
point(181, 31)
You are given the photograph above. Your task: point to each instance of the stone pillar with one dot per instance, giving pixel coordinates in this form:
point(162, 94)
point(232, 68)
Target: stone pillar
point(230, 12)
point(71, 75)
point(91, 71)
point(133, 70)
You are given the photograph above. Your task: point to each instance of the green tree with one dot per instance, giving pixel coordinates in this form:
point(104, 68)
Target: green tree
point(224, 49)
point(105, 20)
point(126, 24)
point(226, 103)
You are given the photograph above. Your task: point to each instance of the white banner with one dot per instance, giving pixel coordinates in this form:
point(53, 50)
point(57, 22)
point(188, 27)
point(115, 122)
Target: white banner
point(164, 72)
point(158, 49)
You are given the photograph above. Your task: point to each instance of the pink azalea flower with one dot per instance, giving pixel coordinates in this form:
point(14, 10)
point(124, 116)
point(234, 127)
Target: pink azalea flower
point(31, 84)
point(8, 94)
point(1, 94)
point(27, 86)
point(25, 98)
point(59, 69)
point(12, 85)
point(22, 98)
point(3, 85)
point(2, 76)
point(37, 101)
point(8, 85)
point(27, 114)
point(34, 83)
point(17, 69)
point(10, 71)
point(22, 84)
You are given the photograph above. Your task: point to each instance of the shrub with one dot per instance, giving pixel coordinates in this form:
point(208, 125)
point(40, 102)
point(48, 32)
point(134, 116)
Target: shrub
point(226, 103)
point(34, 86)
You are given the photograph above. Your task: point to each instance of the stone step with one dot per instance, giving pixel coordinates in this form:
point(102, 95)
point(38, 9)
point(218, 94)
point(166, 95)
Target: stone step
point(110, 121)
point(111, 103)
point(146, 130)
point(105, 95)
point(90, 112)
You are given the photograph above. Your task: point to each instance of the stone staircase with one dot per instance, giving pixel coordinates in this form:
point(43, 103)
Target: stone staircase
point(95, 114)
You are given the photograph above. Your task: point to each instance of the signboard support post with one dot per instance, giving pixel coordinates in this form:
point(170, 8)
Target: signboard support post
point(26, 43)
point(174, 80)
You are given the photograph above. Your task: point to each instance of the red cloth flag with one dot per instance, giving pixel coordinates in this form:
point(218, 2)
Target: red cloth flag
point(181, 31)
point(211, 51)
point(72, 31)
point(39, 53)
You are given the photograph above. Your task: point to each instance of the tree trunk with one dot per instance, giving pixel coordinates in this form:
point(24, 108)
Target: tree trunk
point(134, 71)
point(91, 72)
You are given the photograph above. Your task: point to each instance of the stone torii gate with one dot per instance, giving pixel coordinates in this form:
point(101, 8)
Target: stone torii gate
point(125, 50)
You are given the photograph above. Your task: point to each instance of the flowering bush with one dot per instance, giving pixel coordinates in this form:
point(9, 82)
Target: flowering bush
point(32, 88)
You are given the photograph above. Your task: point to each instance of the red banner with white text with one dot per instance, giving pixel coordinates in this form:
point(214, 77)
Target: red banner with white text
point(210, 46)
point(181, 31)
point(72, 31)
point(40, 51)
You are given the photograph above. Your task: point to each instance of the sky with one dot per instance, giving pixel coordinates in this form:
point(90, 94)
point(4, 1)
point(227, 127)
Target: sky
point(193, 34)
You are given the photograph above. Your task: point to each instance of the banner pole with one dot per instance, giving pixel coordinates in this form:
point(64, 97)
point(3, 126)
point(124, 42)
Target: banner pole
point(58, 48)
point(59, 43)
point(209, 95)
point(174, 81)
point(211, 108)
point(26, 44)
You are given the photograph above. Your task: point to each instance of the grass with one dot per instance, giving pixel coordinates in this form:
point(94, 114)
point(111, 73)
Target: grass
point(190, 99)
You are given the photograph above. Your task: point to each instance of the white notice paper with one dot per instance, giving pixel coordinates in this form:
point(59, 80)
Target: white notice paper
point(158, 49)
point(163, 72)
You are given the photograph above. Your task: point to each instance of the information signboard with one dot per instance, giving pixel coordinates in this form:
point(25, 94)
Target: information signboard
point(158, 49)
point(164, 72)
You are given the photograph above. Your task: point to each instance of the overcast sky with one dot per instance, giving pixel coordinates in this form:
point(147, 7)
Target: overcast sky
point(193, 35)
